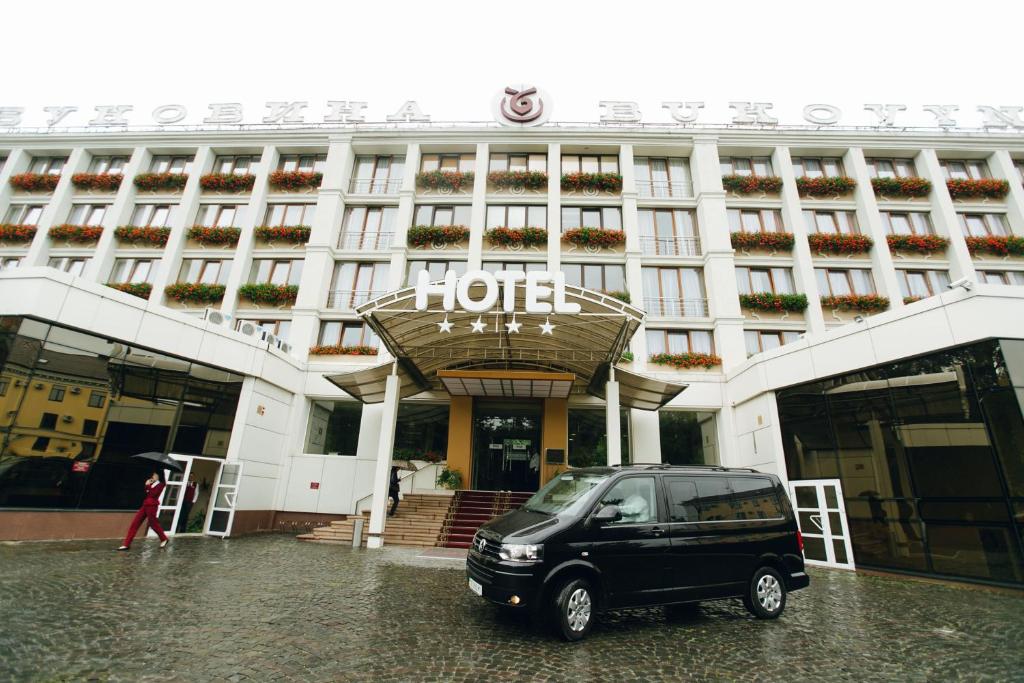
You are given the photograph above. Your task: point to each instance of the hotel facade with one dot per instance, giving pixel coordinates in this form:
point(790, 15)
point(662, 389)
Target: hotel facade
point(844, 308)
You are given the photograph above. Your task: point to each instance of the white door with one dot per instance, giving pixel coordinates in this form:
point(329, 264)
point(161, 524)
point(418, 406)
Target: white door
point(171, 498)
point(222, 505)
point(821, 516)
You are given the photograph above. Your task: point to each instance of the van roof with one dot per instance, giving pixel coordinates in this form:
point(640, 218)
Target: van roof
point(660, 467)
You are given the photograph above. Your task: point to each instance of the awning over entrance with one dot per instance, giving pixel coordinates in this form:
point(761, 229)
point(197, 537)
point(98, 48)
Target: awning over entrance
point(642, 392)
point(507, 384)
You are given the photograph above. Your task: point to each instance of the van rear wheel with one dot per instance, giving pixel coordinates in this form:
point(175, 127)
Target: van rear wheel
point(766, 595)
point(574, 609)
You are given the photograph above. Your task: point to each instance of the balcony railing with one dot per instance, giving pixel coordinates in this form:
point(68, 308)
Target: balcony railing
point(347, 299)
point(670, 246)
point(374, 186)
point(661, 189)
point(366, 241)
point(676, 308)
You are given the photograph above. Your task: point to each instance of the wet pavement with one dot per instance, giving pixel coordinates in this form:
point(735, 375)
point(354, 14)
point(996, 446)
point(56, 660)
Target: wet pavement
point(273, 609)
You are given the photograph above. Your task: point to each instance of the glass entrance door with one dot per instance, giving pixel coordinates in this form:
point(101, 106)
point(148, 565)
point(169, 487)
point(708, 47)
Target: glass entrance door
point(821, 516)
point(222, 508)
point(170, 500)
point(506, 445)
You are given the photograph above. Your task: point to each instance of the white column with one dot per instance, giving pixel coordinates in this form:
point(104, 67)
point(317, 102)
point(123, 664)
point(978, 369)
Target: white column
point(803, 263)
point(645, 433)
point(630, 224)
point(944, 216)
point(1002, 167)
point(611, 419)
point(554, 207)
point(478, 214)
point(871, 225)
point(56, 212)
point(404, 218)
point(382, 472)
point(118, 213)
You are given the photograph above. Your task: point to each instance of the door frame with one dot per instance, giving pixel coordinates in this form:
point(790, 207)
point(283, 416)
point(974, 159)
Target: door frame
point(231, 495)
point(825, 533)
point(187, 460)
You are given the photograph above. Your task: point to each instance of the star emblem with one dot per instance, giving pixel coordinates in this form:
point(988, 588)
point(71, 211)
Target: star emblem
point(546, 327)
point(513, 327)
point(479, 325)
point(445, 325)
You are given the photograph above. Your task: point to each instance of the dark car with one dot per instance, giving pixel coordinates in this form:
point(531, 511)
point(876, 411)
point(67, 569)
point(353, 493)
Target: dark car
point(608, 538)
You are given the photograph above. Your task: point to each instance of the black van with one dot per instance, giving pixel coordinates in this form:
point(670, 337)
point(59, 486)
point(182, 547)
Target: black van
point(607, 538)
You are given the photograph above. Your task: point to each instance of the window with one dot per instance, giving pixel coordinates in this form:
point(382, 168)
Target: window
point(635, 498)
point(87, 214)
point(891, 168)
point(715, 496)
point(447, 162)
point(356, 283)
point(108, 164)
point(995, 277)
point(75, 266)
point(964, 169)
point(663, 177)
point(56, 393)
point(3, 386)
point(590, 163)
point(48, 165)
point(9, 262)
point(97, 399)
point(290, 214)
point(334, 427)
point(606, 218)
point(832, 222)
point(41, 443)
point(983, 224)
point(817, 167)
point(532, 161)
point(152, 215)
point(131, 270)
point(682, 499)
point(679, 341)
point(668, 232)
point(754, 498)
point(24, 214)
point(431, 214)
point(378, 174)
point(754, 220)
point(276, 271)
point(764, 340)
point(48, 421)
point(164, 163)
point(333, 333)
point(221, 215)
point(519, 216)
point(774, 280)
point(907, 223)
point(90, 427)
point(204, 271)
point(235, 164)
point(1019, 165)
point(437, 269)
point(278, 328)
point(676, 292)
point(306, 163)
point(842, 282)
point(603, 278)
point(495, 266)
point(759, 166)
point(367, 227)
point(922, 283)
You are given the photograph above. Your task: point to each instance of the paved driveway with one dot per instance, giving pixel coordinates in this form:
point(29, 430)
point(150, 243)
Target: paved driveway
point(271, 608)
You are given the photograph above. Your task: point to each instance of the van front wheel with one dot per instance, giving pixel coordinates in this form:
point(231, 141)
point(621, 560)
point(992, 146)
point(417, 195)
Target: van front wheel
point(574, 609)
point(766, 595)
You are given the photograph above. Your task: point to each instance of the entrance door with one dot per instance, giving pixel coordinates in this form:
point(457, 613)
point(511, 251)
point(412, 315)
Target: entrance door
point(821, 516)
point(222, 507)
point(506, 445)
point(205, 472)
point(170, 500)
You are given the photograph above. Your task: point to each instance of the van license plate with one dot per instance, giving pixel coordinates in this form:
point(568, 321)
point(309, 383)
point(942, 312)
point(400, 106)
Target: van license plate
point(476, 587)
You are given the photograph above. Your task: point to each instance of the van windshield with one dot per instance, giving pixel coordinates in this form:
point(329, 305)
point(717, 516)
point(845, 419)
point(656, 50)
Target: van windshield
point(566, 494)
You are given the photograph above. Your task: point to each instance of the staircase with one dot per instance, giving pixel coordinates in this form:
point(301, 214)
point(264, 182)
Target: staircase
point(472, 509)
point(418, 523)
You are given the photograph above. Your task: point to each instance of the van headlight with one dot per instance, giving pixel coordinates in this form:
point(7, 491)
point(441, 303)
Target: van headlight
point(525, 553)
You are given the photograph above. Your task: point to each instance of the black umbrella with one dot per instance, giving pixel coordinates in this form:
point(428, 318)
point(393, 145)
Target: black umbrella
point(161, 459)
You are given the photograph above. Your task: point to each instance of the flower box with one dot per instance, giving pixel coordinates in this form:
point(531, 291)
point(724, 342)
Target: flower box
point(17, 233)
point(296, 234)
point(160, 181)
point(423, 235)
point(35, 182)
point(748, 184)
point(840, 243)
point(338, 350)
point(75, 233)
point(227, 182)
point(529, 180)
point(444, 180)
point(922, 244)
point(269, 294)
point(773, 241)
point(294, 180)
point(155, 237)
point(195, 292)
point(220, 236)
point(868, 303)
point(901, 187)
point(139, 289)
point(997, 245)
point(626, 357)
point(593, 182)
point(686, 360)
point(768, 301)
point(517, 237)
point(106, 182)
point(911, 299)
point(618, 294)
point(827, 186)
point(595, 237)
point(986, 188)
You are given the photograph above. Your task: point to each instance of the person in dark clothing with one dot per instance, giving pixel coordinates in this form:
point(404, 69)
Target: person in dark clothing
point(393, 490)
point(188, 498)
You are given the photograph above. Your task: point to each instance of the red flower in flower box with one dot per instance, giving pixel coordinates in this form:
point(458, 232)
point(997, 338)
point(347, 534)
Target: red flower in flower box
point(227, 182)
point(296, 234)
point(35, 182)
point(867, 303)
point(686, 360)
point(826, 186)
point(205, 235)
point(901, 187)
point(75, 233)
point(266, 293)
point(446, 180)
point(839, 243)
point(139, 289)
point(131, 234)
point(108, 182)
point(594, 237)
point(990, 188)
point(339, 350)
point(922, 244)
point(17, 233)
point(422, 235)
point(748, 184)
point(527, 237)
point(598, 182)
point(530, 180)
point(195, 292)
point(294, 180)
point(998, 245)
point(773, 241)
point(160, 181)
point(769, 301)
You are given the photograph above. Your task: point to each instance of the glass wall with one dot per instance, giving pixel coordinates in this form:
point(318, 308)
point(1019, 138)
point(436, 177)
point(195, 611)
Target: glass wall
point(687, 438)
point(333, 427)
point(587, 437)
point(74, 407)
point(930, 453)
point(422, 431)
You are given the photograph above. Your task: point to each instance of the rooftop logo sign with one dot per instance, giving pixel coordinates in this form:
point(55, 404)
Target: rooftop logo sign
point(522, 106)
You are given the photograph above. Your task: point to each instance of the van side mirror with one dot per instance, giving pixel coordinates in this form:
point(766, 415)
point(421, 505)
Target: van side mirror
point(608, 514)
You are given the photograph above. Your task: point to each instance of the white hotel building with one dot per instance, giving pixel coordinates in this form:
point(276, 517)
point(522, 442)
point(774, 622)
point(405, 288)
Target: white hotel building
point(889, 399)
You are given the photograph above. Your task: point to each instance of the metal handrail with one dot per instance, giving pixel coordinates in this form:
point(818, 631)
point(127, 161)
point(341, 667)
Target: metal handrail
point(348, 299)
point(676, 308)
point(371, 241)
point(374, 186)
point(660, 189)
point(670, 246)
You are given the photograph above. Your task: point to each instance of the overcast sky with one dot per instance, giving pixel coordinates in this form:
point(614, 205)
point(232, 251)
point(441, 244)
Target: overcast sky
point(452, 56)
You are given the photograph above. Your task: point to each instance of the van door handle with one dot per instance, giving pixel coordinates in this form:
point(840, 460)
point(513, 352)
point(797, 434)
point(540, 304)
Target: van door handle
point(657, 531)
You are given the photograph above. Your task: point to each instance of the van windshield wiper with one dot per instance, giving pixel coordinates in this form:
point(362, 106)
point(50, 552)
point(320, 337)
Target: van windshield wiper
point(543, 512)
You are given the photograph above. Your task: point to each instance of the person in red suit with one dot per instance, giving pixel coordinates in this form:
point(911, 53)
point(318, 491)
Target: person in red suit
point(154, 487)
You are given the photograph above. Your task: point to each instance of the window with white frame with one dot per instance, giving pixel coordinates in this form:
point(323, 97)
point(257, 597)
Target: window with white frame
point(204, 271)
point(275, 271)
point(677, 292)
point(759, 166)
point(603, 217)
point(891, 168)
point(304, 163)
point(964, 169)
point(754, 220)
point(907, 223)
point(436, 270)
point(171, 163)
point(152, 215)
point(530, 267)
point(755, 280)
point(108, 164)
point(23, 214)
point(131, 270)
point(663, 177)
point(983, 224)
point(1001, 277)
point(668, 232)
point(765, 340)
point(590, 163)
point(921, 283)
point(517, 216)
point(221, 215)
point(841, 282)
point(337, 332)
point(87, 214)
point(355, 283)
point(523, 161)
point(47, 165)
point(608, 277)
point(455, 162)
point(235, 164)
point(290, 214)
point(379, 174)
point(832, 222)
point(679, 341)
point(817, 167)
point(368, 227)
point(278, 328)
point(437, 214)
point(75, 266)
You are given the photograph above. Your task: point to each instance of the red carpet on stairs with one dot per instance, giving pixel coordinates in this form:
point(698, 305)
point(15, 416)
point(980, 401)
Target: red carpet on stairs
point(472, 509)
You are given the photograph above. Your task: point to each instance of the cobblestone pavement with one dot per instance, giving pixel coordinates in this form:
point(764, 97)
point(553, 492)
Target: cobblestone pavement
point(270, 608)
